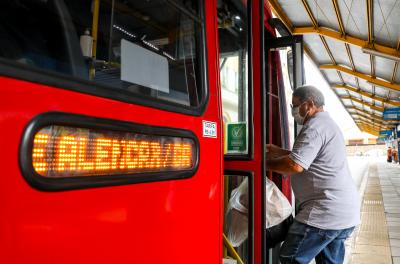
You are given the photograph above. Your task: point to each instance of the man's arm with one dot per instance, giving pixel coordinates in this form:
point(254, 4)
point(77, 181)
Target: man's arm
point(283, 165)
point(274, 151)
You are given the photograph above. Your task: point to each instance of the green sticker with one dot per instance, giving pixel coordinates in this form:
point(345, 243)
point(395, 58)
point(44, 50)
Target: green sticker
point(236, 137)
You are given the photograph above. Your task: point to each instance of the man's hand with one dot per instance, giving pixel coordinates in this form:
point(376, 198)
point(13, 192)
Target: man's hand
point(274, 151)
point(283, 165)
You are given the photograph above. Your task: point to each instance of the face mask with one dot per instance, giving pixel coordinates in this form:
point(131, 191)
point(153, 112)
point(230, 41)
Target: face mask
point(296, 115)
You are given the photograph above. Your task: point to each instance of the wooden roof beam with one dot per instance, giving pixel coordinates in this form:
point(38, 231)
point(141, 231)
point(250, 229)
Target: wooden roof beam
point(370, 21)
point(368, 78)
point(362, 111)
point(368, 129)
point(310, 14)
point(277, 9)
point(372, 121)
point(371, 124)
point(395, 65)
point(374, 117)
point(339, 17)
point(367, 94)
point(365, 125)
point(374, 107)
point(330, 33)
point(370, 114)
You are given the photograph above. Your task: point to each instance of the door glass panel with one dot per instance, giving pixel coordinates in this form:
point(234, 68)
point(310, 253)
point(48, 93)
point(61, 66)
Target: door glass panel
point(238, 218)
point(286, 58)
point(234, 62)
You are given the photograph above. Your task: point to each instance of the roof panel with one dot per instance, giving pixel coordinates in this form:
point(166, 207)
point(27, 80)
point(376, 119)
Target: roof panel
point(387, 22)
point(349, 79)
point(347, 101)
point(332, 77)
point(358, 105)
point(365, 86)
point(382, 92)
point(347, 105)
point(341, 92)
point(354, 94)
point(361, 60)
point(366, 99)
point(395, 96)
point(338, 50)
point(397, 78)
point(378, 113)
point(378, 103)
point(353, 15)
point(384, 68)
point(296, 12)
point(324, 12)
point(317, 48)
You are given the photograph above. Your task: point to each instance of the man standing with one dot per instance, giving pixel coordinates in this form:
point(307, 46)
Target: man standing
point(326, 196)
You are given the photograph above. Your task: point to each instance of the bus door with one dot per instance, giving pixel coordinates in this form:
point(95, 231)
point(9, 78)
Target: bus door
point(111, 144)
point(240, 50)
point(284, 72)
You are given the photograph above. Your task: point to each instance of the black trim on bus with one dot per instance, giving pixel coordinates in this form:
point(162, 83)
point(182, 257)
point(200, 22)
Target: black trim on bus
point(250, 100)
point(291, 41)
point(88, 122)
point(57, 80)
point(250, 177)
point(264, 126)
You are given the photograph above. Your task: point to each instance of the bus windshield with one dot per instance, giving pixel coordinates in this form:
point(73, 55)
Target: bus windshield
point(145, 49)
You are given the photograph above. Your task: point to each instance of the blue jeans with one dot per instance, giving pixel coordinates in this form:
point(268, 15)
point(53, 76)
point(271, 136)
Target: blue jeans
point(304, 242)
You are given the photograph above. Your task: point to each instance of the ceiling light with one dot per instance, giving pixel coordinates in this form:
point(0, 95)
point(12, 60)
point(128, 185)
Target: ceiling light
point(381, 54)
point(237, 17)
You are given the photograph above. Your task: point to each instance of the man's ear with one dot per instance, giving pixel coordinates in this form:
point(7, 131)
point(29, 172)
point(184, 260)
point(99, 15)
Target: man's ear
point(311, 104)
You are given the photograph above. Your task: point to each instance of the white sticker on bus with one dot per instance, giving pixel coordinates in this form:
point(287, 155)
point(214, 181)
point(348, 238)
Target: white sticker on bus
point(209, 129)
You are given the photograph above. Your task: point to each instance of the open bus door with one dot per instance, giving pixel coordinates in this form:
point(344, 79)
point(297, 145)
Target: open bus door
point(284, 72)
point(240, 82)
point(254, 113)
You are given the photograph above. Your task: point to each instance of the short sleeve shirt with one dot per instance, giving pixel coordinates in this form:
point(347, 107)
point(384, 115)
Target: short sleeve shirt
point(325, 191)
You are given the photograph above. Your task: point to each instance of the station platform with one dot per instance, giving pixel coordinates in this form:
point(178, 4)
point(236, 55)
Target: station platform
point(377, 239)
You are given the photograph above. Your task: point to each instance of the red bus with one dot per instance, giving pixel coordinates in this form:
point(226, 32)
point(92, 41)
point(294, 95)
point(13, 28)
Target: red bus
point(125, 125)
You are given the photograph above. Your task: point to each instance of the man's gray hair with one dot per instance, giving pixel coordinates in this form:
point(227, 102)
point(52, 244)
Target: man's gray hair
point(306, 92)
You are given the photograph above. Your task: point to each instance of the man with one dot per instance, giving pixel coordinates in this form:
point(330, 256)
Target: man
point(326, 196)
point(389, 154)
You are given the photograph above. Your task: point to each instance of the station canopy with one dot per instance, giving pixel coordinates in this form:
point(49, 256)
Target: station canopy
point(356, 46)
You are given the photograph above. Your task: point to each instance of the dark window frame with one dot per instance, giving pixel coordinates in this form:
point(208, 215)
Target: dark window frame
point(250, 100)
point(250, 177)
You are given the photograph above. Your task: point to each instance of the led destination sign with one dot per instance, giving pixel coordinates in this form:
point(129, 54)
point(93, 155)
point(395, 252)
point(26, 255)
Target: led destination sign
point(61, 151)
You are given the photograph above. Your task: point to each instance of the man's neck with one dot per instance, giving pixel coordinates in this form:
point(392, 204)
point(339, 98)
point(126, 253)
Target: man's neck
point(313, 112)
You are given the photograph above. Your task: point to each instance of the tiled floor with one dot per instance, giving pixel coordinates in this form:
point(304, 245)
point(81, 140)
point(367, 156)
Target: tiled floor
point(389, 175)
point(378, 237)
point(371, 245)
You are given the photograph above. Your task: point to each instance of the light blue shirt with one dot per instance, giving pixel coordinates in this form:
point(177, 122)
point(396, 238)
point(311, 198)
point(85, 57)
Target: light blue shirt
point(325, 192)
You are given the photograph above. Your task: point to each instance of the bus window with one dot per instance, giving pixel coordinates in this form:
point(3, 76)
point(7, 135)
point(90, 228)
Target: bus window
point(286, 58)
point(238, 217)
point(144, 49)
point(234, 61)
